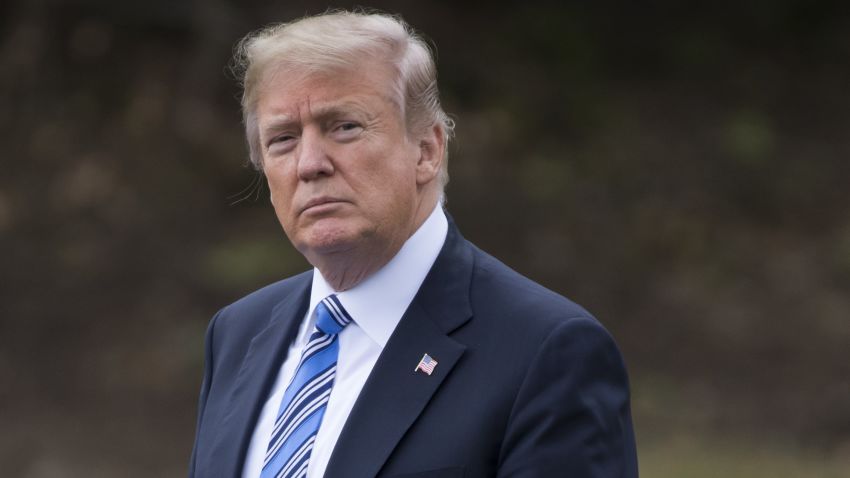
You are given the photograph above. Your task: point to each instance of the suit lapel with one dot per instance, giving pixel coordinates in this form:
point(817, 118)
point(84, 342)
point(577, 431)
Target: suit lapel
point(394, 394)
point(256, 376)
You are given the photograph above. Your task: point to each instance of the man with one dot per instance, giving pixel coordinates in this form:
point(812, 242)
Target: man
point(406, 351)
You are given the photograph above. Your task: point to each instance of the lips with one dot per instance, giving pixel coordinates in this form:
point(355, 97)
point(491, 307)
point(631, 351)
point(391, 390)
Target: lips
point(319, 202)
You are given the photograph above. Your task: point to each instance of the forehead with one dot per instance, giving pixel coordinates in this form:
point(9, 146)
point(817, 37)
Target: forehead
point(287, 90)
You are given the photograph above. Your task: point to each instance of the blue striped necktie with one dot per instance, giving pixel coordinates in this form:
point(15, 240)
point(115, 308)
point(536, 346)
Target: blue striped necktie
point(306, 397)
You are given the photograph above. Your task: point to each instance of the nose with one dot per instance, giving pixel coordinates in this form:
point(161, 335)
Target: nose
point(314, 160)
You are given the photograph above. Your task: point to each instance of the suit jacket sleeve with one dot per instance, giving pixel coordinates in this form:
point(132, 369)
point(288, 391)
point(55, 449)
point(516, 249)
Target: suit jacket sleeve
point(205, 386)
point(571, 416)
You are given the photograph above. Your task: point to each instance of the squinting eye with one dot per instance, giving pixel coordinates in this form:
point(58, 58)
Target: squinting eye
point(347, 131)
point(281, 144)
point(280, 139)
point(348, 126)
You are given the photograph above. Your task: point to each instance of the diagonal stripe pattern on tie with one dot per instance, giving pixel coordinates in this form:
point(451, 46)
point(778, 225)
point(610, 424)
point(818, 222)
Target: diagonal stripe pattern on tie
point(304, 402)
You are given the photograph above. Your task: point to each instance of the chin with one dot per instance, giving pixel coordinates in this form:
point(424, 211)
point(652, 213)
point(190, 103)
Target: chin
point(328, 240)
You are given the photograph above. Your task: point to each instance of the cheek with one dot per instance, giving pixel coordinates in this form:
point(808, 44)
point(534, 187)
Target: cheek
point(279, 190)
point(391, 168)
point(387, 186)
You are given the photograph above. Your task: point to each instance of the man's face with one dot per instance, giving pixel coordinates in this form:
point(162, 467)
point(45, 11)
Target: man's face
point(340, 167)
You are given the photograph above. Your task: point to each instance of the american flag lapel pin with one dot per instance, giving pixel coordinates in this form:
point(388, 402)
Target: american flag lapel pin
point(426, 365)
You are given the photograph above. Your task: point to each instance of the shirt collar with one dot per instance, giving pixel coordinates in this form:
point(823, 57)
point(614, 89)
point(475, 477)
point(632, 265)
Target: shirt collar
point(377, 303)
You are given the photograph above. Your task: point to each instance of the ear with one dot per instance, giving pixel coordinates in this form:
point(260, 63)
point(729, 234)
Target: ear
point(431, 152)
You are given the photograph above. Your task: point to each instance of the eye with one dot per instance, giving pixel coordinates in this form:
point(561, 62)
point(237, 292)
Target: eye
point(280, 143)
point(280, 139)
point(346, 130)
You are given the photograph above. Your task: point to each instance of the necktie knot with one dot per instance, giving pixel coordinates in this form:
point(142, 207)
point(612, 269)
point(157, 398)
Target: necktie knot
point(331, 316)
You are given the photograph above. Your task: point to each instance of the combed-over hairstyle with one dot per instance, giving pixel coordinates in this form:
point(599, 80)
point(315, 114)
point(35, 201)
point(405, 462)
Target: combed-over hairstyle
point(342, 40)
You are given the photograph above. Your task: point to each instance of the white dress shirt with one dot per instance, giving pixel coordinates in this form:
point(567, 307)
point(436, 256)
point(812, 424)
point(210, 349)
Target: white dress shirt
point(376, 305)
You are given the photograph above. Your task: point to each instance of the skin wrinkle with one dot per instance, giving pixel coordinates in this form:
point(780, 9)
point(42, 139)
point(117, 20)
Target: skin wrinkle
point(301, 73)
point(323, 114)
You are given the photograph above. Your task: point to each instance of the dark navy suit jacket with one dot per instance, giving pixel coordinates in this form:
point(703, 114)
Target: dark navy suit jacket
point(528, 384)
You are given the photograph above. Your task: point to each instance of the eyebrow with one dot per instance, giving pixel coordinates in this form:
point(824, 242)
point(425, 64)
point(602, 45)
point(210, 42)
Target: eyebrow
point(325, 112)
point(278, 122)
point(320, 113)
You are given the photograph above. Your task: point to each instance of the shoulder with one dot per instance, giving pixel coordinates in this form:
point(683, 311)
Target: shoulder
point(525, 317)
point(269, 296)
point(497, 287)
point(252, 312)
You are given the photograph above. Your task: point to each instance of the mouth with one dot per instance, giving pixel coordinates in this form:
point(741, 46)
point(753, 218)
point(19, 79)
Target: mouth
point(320, 203)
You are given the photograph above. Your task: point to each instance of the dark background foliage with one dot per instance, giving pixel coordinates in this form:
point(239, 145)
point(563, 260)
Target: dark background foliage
point(680, 170)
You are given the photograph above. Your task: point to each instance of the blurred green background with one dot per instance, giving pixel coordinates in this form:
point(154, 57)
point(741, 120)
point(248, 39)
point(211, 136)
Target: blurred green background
point(683, 171)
